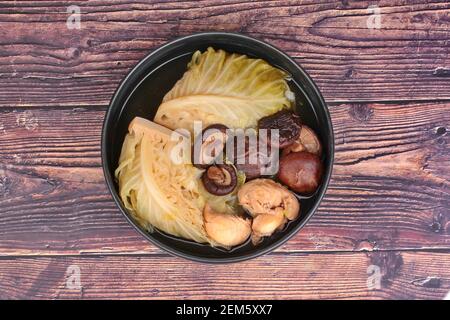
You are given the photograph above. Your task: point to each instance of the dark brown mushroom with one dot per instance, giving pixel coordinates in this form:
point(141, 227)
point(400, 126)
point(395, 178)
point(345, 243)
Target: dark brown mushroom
point(209, 146)
point(220, 179)
point(288, 125)
point(252, 160)
point(301, 171)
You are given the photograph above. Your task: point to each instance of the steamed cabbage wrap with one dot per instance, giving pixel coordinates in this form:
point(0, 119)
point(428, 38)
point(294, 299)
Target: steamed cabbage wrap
point(158, 191)
point(225, 88)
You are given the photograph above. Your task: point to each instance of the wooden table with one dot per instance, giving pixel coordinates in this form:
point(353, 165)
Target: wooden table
point(386, 211)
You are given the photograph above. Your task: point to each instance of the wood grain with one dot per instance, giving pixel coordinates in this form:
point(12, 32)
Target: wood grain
point(390, 186)
point(407, 275)
point(43, 63)
point(388, 202)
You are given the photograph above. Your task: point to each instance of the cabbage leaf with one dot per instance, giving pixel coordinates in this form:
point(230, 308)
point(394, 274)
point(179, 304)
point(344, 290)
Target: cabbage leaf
point(158, 191)
point(230, 89)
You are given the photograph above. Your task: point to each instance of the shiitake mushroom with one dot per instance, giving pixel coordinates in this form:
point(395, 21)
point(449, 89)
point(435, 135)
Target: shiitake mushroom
point(209, 145)
point(219, 179)
point(307, 141)
point(252, 161)
point(301, 171)
point(288, 125)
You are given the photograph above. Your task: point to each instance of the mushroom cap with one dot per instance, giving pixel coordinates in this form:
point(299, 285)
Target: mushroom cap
point(288, 125)
point(301, 171)
point(307, 141)
point(209, 145)
point(220, 179)
point(250, 157)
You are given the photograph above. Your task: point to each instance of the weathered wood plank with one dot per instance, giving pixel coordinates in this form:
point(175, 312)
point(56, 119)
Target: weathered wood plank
point(406, 275)
point(43, 63)
point(390, 186)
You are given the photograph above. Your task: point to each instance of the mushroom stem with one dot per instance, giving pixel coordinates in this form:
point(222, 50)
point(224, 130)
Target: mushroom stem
point(220, 179)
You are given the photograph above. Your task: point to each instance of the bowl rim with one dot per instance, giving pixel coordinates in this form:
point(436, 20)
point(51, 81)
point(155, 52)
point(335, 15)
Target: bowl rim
point(110, 179)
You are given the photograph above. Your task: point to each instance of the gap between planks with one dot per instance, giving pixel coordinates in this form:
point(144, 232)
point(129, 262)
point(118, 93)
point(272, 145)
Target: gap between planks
point(104, 107)
point(93, 255)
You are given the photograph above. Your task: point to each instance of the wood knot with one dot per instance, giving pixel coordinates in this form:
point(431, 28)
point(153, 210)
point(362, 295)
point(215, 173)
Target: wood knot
point(361, 112)
point(349, 73)
point(366, 245)
point(428, 282)
point(154, 292)
point(440, 131)
point(441, 72)
point(52, 182)
point(417, 18)
point(5, 186)
point(27, 120)
point(389, 263)
point(74, 53)
point(436, 227)
point(439, 221)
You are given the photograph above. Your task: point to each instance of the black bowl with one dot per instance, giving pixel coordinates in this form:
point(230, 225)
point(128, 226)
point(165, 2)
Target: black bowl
point(140, 94)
